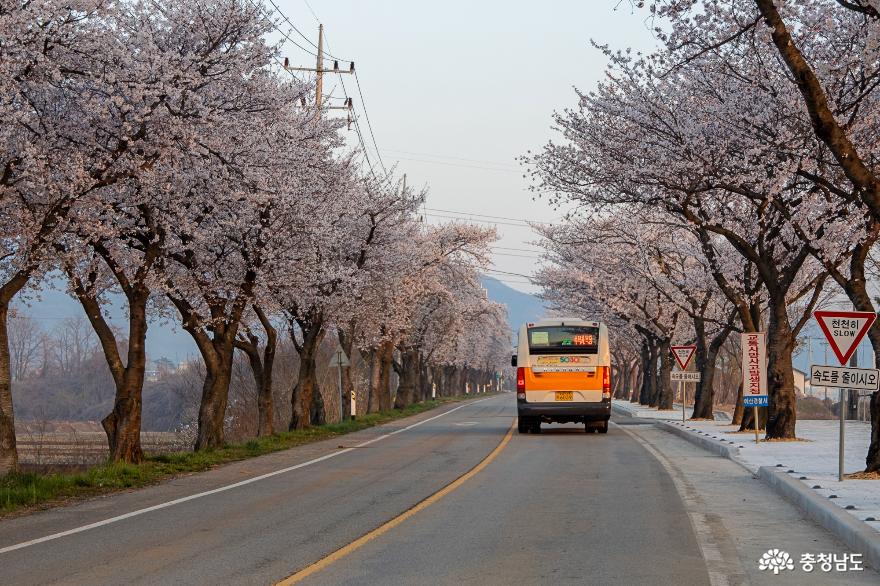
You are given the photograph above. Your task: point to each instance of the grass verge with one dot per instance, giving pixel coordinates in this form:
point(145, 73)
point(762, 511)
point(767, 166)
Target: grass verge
point(23, 491)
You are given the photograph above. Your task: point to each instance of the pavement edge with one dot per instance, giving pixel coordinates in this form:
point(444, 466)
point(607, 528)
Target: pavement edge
point(856, 534)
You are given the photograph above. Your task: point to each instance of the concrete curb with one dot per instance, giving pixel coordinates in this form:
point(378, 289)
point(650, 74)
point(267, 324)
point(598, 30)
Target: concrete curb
point(856, 534)
point(632, 410)
point(729, 452)
point(859, 536)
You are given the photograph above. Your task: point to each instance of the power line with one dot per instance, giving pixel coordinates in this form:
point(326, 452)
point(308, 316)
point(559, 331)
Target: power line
point(367, 116)
point(345, 92)
point(508, 273)
point(277, 28)
point(514, 255)
point(357, 125)
point(477, 220)
point(515, 249)
point(447, 164)
point(293, 26)
point(309, 6)
point(486, 216)
point(496, 163)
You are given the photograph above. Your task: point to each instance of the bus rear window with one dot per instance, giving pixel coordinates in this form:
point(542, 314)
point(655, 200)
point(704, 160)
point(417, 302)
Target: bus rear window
point(563, 340)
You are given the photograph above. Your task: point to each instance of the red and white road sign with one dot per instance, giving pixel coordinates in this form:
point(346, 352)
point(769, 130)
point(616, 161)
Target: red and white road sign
point(754, 364)
point(844, 330)
point(683, 355)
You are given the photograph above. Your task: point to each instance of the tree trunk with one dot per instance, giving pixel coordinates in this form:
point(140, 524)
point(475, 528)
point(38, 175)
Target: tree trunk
point(8, 450)
point(872, 459)
point(665, 395)
point(215, 394)
point(410, 374)
point(305, 392)
point(637, 377)
point(704, 401)
point(123, 424)
point(318, 414)
point(375, 376)
point(739, 408)
point(780, 374)
point(262, 371)
point(386, 356)
point(346, 342)
point(649, 374)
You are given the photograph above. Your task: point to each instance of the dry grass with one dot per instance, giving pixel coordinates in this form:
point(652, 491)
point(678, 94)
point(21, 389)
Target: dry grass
point(746, 432)
point(862, 476)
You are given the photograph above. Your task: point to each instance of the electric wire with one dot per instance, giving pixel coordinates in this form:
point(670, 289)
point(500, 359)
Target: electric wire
point(448, 164)
point(477, 220)
point(483, 161)
point(367, 116)
point(293, 26)
point(263, 12)
point(486, 216)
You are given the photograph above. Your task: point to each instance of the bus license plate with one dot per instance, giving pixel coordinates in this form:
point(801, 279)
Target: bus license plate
point(564, 396)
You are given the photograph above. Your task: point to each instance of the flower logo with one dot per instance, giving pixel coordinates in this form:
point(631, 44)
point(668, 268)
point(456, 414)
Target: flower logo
point(775, 560)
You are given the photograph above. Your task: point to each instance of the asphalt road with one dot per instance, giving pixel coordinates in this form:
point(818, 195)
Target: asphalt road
point(563, 507)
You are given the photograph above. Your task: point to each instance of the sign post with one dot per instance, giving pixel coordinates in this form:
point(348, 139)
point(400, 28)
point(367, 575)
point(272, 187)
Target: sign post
point(754, 371)
point(340, 361)
point(844, 330)
point(683, 355)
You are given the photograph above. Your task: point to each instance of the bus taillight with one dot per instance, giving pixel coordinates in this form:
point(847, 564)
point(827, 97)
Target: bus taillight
point(606, 383)
point(521, 383)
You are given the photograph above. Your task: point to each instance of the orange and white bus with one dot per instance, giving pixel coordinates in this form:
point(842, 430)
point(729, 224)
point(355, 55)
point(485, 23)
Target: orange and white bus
point(563, 374)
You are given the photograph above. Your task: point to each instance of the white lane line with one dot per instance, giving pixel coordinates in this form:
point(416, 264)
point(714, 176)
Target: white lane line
point(199, 495)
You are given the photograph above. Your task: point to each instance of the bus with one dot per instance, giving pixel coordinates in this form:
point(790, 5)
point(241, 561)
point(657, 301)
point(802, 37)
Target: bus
point(563, 374)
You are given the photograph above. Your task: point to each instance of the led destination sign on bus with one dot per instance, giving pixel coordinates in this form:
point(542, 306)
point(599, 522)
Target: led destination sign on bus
point(563, 340)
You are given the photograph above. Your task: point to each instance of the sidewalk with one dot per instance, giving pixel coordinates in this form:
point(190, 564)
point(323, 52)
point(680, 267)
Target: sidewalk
point(804, 472)
point(636, 410)
point(812, 462)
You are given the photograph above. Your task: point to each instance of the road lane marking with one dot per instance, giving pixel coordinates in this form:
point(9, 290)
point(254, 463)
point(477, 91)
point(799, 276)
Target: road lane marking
point(199, 495)
point(388, 525)
point(718, 568)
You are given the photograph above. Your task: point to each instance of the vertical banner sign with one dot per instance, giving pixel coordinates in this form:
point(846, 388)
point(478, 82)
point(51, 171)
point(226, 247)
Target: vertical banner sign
point(754, 366)
point(754, 372)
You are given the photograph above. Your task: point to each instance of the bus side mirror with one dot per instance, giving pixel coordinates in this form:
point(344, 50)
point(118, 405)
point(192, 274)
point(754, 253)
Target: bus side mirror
point(513, 360)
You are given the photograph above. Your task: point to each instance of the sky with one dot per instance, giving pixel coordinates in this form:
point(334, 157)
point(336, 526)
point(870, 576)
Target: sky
point(455, 91)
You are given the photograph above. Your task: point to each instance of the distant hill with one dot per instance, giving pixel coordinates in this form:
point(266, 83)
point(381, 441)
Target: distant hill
point(167, 339)
point(53, 304)
point(521, 307)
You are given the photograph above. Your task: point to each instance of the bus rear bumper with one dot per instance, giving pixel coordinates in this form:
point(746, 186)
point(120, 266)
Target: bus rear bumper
point(566, 412)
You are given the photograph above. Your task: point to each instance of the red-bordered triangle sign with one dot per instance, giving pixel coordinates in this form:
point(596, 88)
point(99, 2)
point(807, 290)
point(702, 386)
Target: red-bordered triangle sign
point(844, 330)
point(683, 355)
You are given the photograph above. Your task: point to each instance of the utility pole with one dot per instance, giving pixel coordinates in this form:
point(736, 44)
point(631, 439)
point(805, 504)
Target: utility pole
point(319, 70)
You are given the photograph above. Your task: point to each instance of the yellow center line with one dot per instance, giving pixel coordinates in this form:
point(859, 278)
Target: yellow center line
point(363, 540)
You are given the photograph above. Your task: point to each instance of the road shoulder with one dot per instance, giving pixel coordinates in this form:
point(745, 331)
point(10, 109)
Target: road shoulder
point(739, 518)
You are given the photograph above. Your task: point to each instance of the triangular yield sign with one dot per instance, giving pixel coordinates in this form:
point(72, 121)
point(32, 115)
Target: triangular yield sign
point(683, 355)
point(844, 330)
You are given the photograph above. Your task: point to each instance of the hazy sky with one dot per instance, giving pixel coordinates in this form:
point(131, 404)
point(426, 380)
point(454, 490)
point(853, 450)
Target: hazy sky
point(457, 90)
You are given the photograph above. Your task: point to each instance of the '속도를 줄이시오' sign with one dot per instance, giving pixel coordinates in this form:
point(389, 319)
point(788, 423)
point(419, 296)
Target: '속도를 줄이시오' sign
point(842, 377)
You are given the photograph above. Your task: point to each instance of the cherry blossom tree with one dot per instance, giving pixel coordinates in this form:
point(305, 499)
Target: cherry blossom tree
point(685, 140)
point(64, 141)
point(829, 48)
